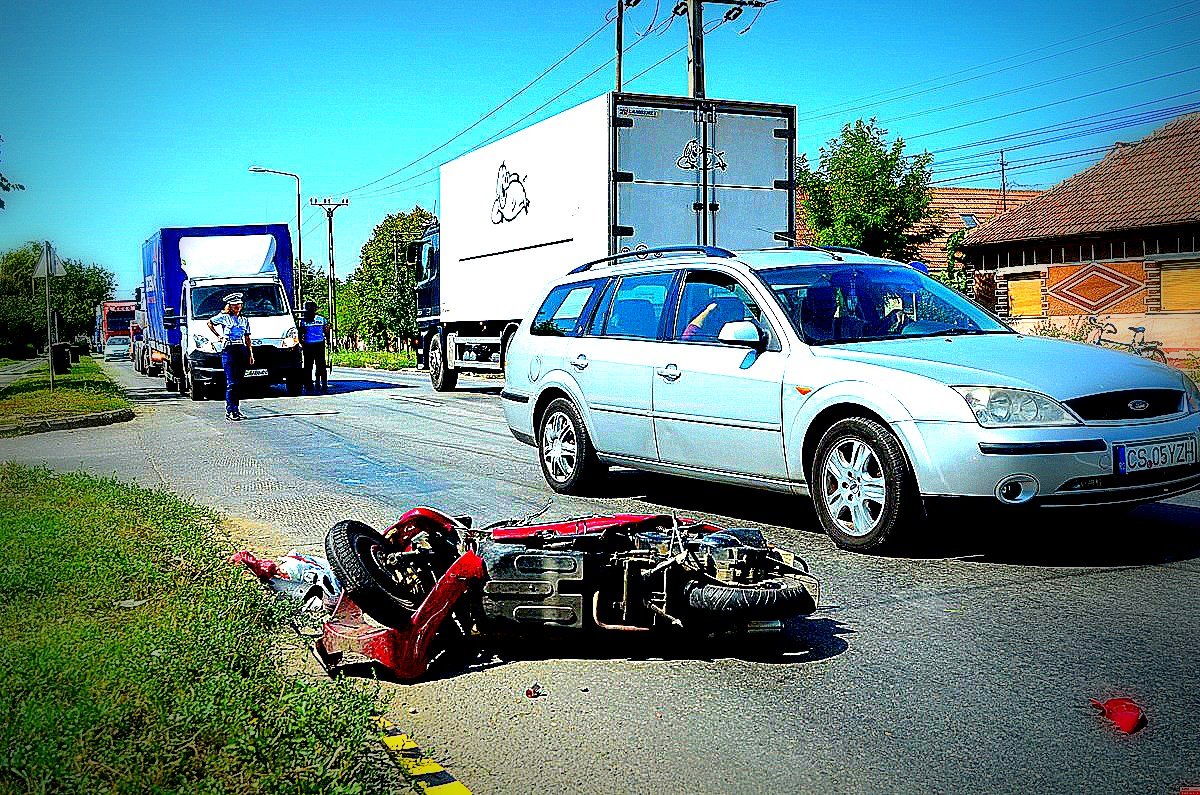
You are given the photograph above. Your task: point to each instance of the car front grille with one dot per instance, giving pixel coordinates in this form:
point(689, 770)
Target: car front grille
point(1109, 406)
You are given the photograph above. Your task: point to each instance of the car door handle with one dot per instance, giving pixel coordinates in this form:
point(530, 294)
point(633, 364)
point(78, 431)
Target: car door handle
point(669, 373)
point(580, 362)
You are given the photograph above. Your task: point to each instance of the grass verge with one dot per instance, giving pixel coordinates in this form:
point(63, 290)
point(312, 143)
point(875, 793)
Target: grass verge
point(382, 360)
point(87, 389)
point(6, 362)
point(182, 693)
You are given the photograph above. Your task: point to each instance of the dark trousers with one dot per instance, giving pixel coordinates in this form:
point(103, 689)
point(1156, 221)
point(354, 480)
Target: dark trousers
point(314, 356)
point(234, 360)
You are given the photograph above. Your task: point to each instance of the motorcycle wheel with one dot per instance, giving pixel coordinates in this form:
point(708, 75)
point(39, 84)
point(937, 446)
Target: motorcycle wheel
point(1155, 354)
point(751, 604)
point(355, 551)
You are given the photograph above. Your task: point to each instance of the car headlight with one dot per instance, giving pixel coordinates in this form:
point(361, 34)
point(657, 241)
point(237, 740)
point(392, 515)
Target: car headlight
point(204, 344)
point(996, 407)
point(1193, 395)
point(289, 339)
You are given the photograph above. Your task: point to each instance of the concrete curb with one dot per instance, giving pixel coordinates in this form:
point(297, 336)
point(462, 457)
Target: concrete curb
point(67, 423)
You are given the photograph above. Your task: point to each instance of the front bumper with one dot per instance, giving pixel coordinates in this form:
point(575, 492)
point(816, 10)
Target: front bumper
point(280, 363)
point(1072, 466)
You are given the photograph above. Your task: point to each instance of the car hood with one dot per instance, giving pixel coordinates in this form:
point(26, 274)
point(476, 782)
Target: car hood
point(1058, 368)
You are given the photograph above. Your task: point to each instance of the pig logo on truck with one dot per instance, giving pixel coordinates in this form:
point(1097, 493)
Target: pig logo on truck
point(695, 157)
point(511, 199)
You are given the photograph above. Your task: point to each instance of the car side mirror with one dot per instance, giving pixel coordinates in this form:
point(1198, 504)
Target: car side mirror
point(742, 333)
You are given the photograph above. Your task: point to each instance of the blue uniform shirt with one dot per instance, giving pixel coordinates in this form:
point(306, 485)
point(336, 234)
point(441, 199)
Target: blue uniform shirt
point(235, 329)
point(314, 330)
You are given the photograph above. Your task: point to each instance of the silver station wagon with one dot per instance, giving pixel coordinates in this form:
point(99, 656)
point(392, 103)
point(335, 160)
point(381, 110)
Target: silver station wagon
point(857, 380)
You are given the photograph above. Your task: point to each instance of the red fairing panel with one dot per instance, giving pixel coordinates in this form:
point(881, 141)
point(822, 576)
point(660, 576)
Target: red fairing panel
point(576, 527)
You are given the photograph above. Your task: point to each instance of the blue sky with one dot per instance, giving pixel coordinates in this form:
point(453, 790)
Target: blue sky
point(121, 118)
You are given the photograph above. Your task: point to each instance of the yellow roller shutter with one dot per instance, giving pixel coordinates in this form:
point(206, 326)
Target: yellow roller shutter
point(1025, 297)
point(1180, 289)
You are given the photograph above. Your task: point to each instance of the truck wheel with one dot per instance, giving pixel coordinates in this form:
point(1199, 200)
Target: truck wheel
point(356, 552)
point(861, 484)
point(565, 451)
point(194, 389)
point(443, 378)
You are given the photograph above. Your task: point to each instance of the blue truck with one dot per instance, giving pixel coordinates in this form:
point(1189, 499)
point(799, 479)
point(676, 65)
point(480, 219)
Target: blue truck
point(186, 274)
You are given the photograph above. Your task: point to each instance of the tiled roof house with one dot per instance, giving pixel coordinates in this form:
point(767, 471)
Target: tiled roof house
point(1117, 240)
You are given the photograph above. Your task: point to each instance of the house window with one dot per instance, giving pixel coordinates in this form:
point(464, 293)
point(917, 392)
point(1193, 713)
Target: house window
point(1025, 297)
point(969, 221)
point(1181, 289)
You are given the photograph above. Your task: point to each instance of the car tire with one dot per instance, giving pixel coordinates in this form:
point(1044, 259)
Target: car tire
point(565, 450)
point(861, 484)
point(442, 377)
point(353, 550)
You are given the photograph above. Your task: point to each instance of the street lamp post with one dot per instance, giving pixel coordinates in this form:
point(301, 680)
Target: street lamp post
point(299, 231)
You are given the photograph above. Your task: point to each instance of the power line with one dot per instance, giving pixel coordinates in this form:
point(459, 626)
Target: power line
point(860, 102)
point(1134, 120)
point(1061, 125)
point(490, 113)
point(495, 136)
point(1041, 83)
point(1075, 98)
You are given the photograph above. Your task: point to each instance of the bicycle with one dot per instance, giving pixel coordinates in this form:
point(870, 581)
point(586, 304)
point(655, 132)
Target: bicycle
point(1138, 345)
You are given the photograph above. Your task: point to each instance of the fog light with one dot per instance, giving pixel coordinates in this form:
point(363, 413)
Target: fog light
point(1016, 489)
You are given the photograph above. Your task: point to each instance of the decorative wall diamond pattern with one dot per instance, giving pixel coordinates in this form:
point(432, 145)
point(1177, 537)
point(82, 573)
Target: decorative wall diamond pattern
point(1095, 288)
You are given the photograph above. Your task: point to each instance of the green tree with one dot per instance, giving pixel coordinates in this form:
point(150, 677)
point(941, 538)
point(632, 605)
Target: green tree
point(955, 274)
point(6, 185)
point(381, 297)
point(867, 194)
point(74, 294)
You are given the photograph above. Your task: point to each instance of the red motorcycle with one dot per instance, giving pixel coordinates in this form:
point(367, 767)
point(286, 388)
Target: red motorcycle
point(430, 579)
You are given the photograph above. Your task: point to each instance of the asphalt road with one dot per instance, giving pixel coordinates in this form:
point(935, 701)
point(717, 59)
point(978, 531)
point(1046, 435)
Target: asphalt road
point(965, 665)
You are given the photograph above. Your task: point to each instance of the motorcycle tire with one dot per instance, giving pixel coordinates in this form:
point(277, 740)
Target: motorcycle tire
point(353, 551)
point(750, 604)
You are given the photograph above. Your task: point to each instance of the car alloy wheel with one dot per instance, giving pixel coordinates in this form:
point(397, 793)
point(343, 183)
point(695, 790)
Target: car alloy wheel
point(853, 487)
point(862, 484)
point(560, 447)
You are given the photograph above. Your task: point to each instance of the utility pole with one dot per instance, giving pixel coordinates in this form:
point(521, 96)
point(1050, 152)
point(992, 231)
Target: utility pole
point(1003, 184)
point(694, 10)
point(46, 252)
point(695, 15)
point(330, 206)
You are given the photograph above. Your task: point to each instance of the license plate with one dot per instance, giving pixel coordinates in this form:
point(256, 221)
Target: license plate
point(1155, 455)
point(256, 372)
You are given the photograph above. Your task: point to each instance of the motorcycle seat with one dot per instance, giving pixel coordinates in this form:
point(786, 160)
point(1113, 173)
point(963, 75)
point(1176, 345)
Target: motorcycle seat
point(1138, 329)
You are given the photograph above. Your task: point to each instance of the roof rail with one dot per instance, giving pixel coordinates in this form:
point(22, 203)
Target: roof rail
point(845, 250)
point(661, 251)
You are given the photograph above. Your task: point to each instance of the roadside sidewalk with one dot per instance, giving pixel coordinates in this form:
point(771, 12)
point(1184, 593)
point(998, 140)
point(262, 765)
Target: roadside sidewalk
point(16, 371)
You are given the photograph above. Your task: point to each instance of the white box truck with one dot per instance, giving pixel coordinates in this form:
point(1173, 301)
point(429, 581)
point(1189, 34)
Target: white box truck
point(617, 173)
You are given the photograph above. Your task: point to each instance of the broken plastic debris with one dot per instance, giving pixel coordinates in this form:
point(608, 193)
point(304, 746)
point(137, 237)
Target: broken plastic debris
point(1123, 712)
point(263, 569)
point(132, 602)
point(535, 691)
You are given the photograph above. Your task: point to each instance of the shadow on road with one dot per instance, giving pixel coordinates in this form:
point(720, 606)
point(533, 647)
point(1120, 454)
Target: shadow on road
point(1150, 534)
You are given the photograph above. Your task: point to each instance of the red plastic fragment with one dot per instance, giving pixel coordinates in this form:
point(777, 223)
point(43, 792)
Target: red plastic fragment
point(263, 569)
point(1123, 712)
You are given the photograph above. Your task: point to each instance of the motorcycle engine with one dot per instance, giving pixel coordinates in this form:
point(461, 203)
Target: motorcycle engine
point(736, 555)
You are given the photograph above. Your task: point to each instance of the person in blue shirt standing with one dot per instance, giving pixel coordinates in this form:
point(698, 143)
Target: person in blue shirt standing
point(313, 337)
point(233, 331)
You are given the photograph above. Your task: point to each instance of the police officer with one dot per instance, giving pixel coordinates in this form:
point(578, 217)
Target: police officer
point(314, 335)
point(233, 331)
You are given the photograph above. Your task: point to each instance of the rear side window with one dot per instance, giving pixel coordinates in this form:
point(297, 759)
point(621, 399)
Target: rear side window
point(637, 306)
point(560, 312)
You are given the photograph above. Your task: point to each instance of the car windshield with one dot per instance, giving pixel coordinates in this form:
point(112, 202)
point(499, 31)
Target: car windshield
point(853, 302)
point(119, 342)
point(261, 300)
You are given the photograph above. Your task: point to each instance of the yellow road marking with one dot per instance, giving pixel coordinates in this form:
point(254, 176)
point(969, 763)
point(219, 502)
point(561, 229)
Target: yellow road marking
point(428, 775)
